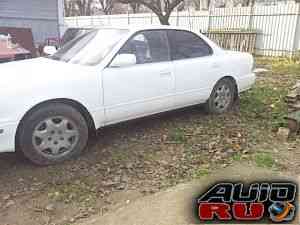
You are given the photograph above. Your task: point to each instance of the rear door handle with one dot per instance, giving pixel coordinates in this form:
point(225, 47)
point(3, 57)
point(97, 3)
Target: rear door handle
point(216, 65)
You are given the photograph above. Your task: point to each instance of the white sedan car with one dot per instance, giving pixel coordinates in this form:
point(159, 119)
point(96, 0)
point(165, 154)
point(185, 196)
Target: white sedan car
point(49, 106)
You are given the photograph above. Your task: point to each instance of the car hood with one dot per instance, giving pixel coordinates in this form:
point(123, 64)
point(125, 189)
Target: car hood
point(32, 71)
point(24, 84)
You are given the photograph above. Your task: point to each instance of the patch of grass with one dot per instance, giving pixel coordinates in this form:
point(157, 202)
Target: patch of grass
point(79, 191)
point(264, 160)
point(285, 66)
point(237, 157)
point(280, 65)
point(198, 173)
point(177, 135)
point(265, 104)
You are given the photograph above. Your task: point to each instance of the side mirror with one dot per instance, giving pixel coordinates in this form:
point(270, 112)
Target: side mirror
point(122, 60)
point(49, 50)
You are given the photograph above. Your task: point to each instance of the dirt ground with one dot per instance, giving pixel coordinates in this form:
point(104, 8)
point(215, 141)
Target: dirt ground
point(174, 205)
point(145, 156)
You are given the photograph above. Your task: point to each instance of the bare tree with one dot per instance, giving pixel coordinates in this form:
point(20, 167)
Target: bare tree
point(106, 6)
point(248, 2)
point(84, 7)
point(70, 8)
point(204, 4)
point(201, 4)
point(135, 7)
point(196, 4)
point(162, 8)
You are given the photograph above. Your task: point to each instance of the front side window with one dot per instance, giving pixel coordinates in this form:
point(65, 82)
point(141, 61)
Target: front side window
point(148, 47)
point(185, 45)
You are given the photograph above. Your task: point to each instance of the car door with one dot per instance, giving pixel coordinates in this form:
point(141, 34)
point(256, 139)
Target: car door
point(144, 88)
point(195, 67)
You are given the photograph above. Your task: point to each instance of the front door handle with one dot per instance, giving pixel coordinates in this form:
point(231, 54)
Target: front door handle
point(165, 73)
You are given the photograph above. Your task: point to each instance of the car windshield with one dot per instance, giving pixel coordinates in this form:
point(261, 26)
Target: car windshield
point(90, 48)
point(72, 33)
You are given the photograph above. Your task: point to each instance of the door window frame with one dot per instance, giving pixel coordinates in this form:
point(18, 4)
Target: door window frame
point(211, 51)
point(150, 63)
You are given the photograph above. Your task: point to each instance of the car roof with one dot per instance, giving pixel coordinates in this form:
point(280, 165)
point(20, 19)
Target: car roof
point(135, 28)
point(79, 28)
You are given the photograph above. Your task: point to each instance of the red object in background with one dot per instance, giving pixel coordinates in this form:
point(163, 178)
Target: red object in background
point(22, 36)
point(23, 39)
point(8, 54)
point(53, 42)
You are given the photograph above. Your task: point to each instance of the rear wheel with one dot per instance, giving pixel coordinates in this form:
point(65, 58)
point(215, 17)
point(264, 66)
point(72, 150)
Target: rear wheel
point(222, 97)
point(53, 133)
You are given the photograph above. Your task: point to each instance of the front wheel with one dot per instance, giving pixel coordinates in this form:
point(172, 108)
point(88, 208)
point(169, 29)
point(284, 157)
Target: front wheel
point(222, 97)
point(53, 133)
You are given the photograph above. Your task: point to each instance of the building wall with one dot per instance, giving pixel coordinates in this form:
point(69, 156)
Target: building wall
point(42, 16)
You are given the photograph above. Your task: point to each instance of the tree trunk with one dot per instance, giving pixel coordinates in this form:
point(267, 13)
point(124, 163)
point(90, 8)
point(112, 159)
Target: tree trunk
point(162, 8)
point(135, 7)
point(164, 20)
point(197, 4)
point(204, 4)
point(67, 9)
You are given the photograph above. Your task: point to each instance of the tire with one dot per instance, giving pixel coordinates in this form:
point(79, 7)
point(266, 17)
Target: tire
point(222, 97)
point(52, 133)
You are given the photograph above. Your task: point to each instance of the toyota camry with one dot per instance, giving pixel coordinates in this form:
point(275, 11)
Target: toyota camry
point(49, 106)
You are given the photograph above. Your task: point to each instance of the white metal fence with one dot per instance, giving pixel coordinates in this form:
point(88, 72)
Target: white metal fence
point(278, 27)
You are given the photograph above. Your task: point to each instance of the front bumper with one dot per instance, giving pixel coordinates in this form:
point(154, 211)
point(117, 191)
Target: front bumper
point(7, 137)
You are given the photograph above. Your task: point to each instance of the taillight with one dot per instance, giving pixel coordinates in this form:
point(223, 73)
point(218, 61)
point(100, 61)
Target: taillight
point(253, 64)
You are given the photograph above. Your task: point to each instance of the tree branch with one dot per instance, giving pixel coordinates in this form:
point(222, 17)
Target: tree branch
point(162, 8)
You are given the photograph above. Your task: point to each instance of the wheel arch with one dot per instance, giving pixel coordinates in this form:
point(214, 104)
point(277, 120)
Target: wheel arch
point(75, 104)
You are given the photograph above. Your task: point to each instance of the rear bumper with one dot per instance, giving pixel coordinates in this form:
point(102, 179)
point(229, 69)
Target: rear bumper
point(7, 137)
point(246, 82)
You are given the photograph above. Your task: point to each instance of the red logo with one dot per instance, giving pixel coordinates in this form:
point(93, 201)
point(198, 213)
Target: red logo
point(226, 202)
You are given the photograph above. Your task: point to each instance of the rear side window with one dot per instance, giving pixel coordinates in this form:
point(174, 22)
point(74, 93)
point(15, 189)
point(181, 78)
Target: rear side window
point(148, 47)
point(186, 45)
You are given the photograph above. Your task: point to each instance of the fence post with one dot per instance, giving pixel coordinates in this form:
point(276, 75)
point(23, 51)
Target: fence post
point(250, 25)
point(177, 18)
point(190, 23)
point(297, 32)
point(209, 17)
point(128, 15)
